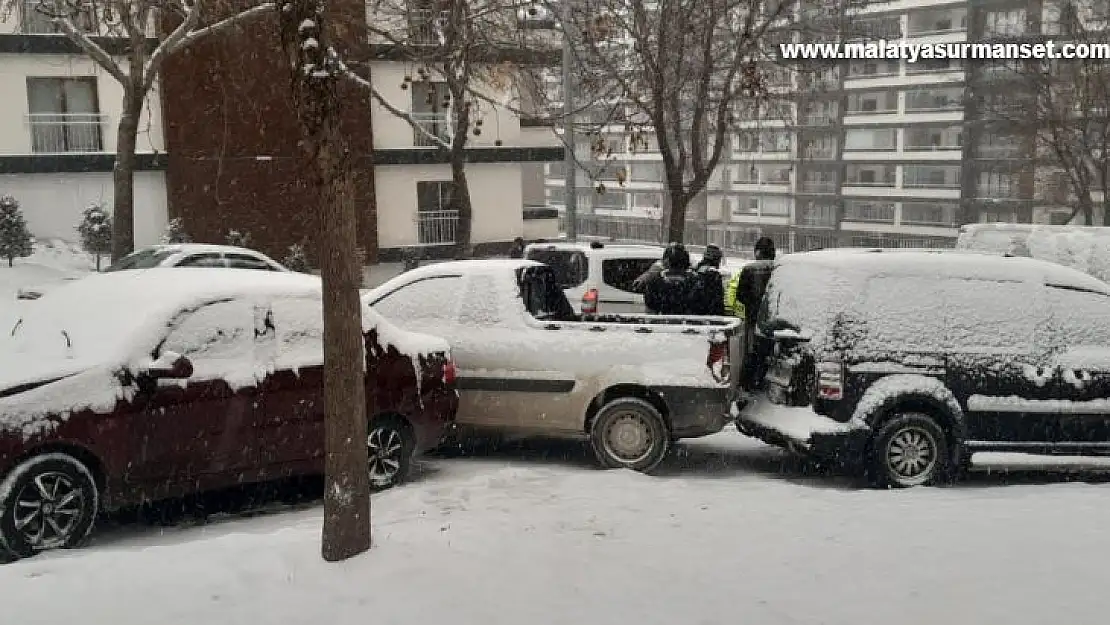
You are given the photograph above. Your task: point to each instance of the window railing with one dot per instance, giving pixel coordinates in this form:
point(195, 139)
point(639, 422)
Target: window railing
point(59, 133)
point(437, 227)
point(423, 29)
point(869, 212)
point(436, 124)
point(819, 186)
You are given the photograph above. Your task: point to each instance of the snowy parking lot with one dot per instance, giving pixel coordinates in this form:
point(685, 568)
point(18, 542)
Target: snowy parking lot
point(731, 531)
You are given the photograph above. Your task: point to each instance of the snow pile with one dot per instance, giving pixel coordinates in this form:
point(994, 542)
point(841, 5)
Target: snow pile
point(894, 387)
point(798, 423)
point(1084, 248)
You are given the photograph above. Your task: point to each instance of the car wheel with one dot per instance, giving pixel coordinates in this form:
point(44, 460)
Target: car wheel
point(630, 433)
point(47, 502)
point(909, 450)
point(389, 447)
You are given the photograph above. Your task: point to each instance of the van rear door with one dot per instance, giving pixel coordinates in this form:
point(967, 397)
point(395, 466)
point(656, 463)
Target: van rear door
point(615, 293)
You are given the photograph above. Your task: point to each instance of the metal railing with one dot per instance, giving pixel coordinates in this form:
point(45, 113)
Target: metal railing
point(39, 22)
point(437, 124)
point(437, 227)
point(881, 213)
point(423, 30)
point(57, 133)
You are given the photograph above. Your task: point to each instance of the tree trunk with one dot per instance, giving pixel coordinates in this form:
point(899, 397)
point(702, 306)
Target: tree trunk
point(346, 529)
point(460, 199)
point(316, 101)
point(98, 261)
point(676, 216)
point(123, 177)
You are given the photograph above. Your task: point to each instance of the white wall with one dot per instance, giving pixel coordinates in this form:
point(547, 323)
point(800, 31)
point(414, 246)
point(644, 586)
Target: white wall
point(52, 203)
point(15, 133)
point(391, 131)
point(495, 194)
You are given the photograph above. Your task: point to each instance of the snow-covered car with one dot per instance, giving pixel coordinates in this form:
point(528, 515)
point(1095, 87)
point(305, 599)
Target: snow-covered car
point(903, 364)
point(134, 386)
point(180, 255)
point(528, 364)
point(1086, 248)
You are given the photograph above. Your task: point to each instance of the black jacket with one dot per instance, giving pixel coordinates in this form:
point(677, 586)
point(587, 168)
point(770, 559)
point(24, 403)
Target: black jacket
point(710, 297)
point(753, 283)
point(672, 293)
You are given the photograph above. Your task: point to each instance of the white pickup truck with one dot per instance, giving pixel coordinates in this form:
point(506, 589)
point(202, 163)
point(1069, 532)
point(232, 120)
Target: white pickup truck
point(529, 365)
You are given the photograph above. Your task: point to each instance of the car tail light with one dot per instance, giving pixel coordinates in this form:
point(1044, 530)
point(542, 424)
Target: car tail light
point(830, 381)
point(718, 360)
point(589, 302)
point(449, 372)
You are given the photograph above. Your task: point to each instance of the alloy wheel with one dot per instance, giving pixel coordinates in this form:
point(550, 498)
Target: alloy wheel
point(48, 510)
point(386, 446)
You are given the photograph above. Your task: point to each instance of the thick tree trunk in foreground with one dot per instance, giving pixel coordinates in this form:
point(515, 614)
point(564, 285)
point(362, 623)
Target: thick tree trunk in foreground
point(123, 178)
point(304, 38)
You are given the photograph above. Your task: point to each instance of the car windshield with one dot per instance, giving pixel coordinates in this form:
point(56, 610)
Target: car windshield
point(143, 259)
point(569, 267)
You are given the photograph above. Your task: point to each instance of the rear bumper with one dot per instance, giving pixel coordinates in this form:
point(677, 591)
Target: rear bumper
point(698, 411)
point(802, 431)
point(433, 420)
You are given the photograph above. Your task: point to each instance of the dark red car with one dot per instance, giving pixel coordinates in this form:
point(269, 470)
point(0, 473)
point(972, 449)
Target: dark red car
point(122, 388)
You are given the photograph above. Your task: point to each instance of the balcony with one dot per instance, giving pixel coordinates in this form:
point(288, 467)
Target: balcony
point(437, 124)
point(817, 216)
point(437, 227)
point(819, 186)
point(35, 22)
point(869, 212)
point(62, 133)
point(423, 29)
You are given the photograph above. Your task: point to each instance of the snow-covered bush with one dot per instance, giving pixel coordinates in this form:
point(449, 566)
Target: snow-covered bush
point(238, 238)
point(175, 232)
point(297, 259)
point(15, 237)
point(96, 231)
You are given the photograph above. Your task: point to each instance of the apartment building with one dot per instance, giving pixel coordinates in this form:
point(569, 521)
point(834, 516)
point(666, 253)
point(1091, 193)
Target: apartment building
point(867, 153)
point(218, 144)
point(58, 117)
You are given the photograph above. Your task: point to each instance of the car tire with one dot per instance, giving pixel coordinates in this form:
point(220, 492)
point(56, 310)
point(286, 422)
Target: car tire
point(630, 433)
point(910, 449)
point(389, 446)
point(47, 502)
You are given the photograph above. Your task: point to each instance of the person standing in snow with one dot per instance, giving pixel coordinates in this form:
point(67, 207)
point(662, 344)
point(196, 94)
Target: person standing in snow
point(742, 299)
point(517, 250)
point(673, 290)
point(710, 298)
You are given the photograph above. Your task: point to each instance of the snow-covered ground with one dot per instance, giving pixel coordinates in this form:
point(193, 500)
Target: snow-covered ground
point(732, 532)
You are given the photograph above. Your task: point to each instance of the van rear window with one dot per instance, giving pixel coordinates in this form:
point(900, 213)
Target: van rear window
point(570, 268)
point(620, 273)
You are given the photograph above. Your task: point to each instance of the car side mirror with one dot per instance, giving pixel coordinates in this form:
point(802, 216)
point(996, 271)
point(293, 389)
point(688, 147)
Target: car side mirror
point(171, 366)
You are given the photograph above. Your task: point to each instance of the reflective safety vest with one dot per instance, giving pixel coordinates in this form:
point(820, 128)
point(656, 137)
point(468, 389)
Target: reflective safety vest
point(733, 305)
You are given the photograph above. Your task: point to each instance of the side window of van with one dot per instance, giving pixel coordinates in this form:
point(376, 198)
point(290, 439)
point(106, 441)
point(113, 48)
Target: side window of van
point(902, 313)
point(991, 316)
point(1076, 318)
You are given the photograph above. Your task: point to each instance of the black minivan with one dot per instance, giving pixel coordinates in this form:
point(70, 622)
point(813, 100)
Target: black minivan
point(902, 363)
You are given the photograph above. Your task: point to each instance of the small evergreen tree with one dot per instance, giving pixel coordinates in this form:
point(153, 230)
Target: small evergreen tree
point(175, 232)
point(297, 259)
point(238, 239)
point(96, 231)
point(15, 238)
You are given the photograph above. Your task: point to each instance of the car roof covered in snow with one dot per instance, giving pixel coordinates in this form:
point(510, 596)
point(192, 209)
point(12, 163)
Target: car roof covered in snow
point(947, 263)
point(197, 248)
point(100, 312)
point(605, 249)
point(490, 266)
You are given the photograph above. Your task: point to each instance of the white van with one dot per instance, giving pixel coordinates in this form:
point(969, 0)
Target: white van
point(1085, 248)
point(597, 276)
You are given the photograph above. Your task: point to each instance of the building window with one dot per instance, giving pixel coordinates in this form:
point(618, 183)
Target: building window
point(931, 177)
point(997, 184)
point(873, 211)
point(997, 145)
point(862, 139)
point(1005, 23)
point(872, 69)
point(873, 102)
point(928, 214)
point(431, 108)
point(819, 181)
point(37, 17)
point(871, 175)
point(818, 214)
point(934, 22)
point(436, 222)
point(924, 66)
point(934, 100)
point(933, 138)
point(64, 115)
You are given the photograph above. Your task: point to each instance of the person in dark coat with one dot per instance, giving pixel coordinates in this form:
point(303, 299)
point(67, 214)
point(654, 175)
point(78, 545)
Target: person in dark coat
point(517, 250)
point(710, 298)
point(674, 290)
point(749, 293)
